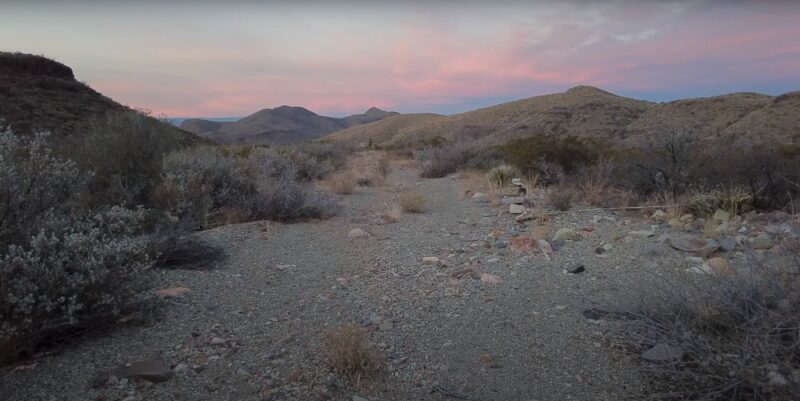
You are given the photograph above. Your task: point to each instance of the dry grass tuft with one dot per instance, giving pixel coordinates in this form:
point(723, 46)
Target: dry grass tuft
point(341, 184)
point(349, 353)
point(393, 212)
point(560, 198)
point(412, 202)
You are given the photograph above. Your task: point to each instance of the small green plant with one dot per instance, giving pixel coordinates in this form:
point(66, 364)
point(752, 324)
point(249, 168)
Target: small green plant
point(502, 175)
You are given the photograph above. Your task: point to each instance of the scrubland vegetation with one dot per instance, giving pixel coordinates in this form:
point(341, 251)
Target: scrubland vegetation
point(83, 219)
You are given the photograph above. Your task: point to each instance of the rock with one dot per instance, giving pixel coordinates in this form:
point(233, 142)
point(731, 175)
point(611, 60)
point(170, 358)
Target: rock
point(642, 233)
point(492, 260)
point(489, 278)
point(675, 223)
point(172, 292)
point(694, 259)
point(659, 215)
point(522, 243)
point(480, 196)
point(516, 209)
point(513, 200)
point(217, 341)
point(545, 247)
point(577, 270)
point(721, 216)
point(464, 273)
point(687, 218)
point(516, 181)
point(762, 241)
point(727, 244)
point(181, 367)
point(357, 233)
point(150, 370)
point(662, 352)
point(564, 234)
point(697, 246)
point(242, 372)
point(430, 260)
point(776, 379)
point(720, 266)
point(523, 218)
point(486, 222)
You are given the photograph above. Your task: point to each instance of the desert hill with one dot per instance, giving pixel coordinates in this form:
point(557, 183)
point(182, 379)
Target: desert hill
point(592, 112)
point(281, 125)
point(38, 94)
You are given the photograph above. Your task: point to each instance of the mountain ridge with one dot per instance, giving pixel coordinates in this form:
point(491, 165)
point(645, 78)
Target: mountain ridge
point(588, 111)
point(279, 125)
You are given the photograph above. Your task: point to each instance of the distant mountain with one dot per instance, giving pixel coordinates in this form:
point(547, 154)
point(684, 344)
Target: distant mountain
point(592, 112)
point(38, 94)
point(281, 125)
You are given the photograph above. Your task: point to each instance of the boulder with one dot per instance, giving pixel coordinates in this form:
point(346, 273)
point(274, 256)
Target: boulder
point(516, 209)
point(357, 233)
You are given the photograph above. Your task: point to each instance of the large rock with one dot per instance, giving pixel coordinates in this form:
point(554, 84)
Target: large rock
point(694, 245)
point(150, 370)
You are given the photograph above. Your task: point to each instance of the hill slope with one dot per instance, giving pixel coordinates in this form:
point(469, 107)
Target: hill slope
point(591, 112)
point(281, 125)
point(38, 94)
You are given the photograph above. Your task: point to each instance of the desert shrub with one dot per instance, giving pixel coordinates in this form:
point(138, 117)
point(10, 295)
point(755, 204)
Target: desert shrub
point(261, 184)
point(568, 153)
point(349, 352)
point(342, 185)
point(34, 185)
point(124, 152)
point(449, 158)
point(412, 202)
point(735, 337)
point(312, 161)
point(72, 275)
point(502, 175)
point(594, 184)
point(560, 198)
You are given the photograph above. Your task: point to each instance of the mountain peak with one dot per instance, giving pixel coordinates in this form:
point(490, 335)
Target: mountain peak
point(587, 89)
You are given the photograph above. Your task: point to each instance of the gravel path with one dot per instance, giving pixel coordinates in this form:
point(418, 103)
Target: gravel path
point(250, 328)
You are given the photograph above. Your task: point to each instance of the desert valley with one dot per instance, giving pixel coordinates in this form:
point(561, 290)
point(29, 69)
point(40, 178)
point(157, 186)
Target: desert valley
point(574, 245)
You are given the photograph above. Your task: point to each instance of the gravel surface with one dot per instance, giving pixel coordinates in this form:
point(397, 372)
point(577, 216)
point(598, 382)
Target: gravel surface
point(250, 328)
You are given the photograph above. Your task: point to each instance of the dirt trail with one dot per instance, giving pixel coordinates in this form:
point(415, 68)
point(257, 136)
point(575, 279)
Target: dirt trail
point(446, 338)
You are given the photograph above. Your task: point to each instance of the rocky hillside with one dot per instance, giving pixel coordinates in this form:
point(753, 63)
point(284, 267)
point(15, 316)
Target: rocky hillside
point(592, 112)
point(38, 94)
point(281, 125)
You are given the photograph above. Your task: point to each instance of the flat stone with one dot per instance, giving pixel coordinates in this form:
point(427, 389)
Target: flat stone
point(357, 233)
point(720, 266)
point(513, 200)
point(727, 244)
point(662, 352)
point(698, 246)
point(430, 260)
point(150, 370)
point(172, 292)
point(763, 241)
point(217, 341)
point(642, 233)
point(489, 278)
point(516, 209)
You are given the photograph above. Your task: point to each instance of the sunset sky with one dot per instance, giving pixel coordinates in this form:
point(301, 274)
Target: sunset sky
point(233, 58)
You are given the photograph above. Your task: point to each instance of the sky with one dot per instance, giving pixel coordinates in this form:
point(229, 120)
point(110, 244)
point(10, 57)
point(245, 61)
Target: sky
point(216, 59)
